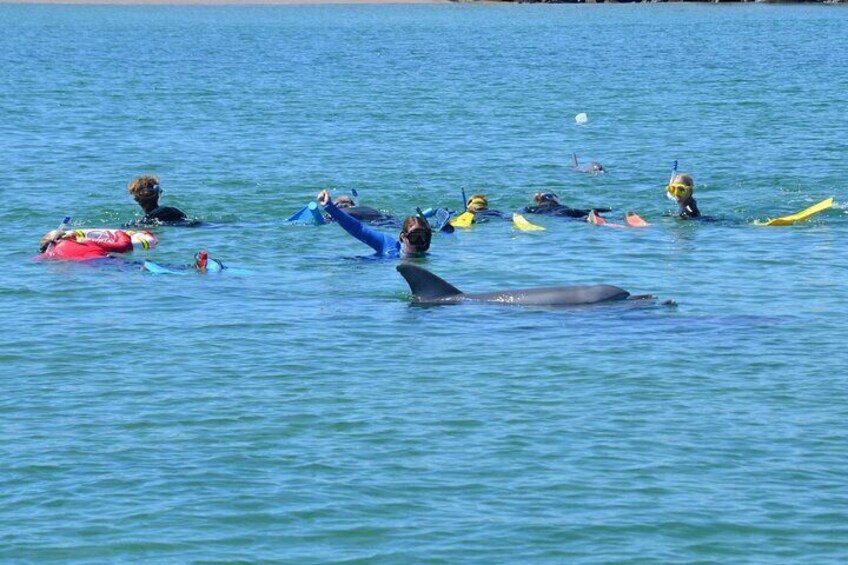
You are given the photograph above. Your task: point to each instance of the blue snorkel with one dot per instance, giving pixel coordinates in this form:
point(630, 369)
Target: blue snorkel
point(64, 224)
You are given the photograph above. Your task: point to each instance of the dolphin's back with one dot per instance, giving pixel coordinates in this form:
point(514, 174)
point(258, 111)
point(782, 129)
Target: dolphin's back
point(554, 296)
point(426, 286)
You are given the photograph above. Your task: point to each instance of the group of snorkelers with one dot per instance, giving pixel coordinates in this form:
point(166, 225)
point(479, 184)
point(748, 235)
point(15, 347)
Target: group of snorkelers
point(414, 238)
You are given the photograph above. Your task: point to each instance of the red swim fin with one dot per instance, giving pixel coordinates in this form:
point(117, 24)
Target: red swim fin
point(634, 220)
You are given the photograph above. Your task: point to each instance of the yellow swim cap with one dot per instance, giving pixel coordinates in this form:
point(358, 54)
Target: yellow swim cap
point(477, 202)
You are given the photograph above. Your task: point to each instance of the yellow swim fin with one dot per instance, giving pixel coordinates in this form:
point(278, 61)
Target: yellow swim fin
point(521, 223)
point(797, 216)
point(464, 220)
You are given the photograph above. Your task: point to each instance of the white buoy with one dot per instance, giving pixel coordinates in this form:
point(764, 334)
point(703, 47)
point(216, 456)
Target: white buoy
point(581, 118)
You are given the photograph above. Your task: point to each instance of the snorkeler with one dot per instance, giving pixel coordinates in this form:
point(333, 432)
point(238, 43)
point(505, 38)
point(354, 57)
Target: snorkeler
point(146, 190)
point(680, 189)
point(61, 245)
point(64, 245)
point(548, 203)
point(478, 205)
point(362, 213)
point(414, 238)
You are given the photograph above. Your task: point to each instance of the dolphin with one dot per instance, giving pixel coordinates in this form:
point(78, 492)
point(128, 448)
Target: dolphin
point(593, 167)
point(427, 288)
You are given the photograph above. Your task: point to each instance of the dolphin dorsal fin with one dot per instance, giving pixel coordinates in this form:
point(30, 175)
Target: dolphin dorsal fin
point(574, 160)
point(425, 284)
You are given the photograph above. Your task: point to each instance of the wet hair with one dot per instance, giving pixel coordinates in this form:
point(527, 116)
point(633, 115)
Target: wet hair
point(683, 178)
point(48, 238)
point(145, 187)
point(417, 223)
point(545, 197)
point(481, 199)
point(345, 201)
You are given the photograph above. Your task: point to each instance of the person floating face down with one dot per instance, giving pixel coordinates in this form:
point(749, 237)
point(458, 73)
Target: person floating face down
point(146, 190)
point(414, 238)
point(61, 245)
point(478, 204)
point(548, 203)
point(680, 189)
point(363, 213)
point(64, 245)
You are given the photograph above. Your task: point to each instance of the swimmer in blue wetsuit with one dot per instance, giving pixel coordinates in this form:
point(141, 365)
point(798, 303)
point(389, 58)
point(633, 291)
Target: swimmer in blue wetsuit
point(414, 237)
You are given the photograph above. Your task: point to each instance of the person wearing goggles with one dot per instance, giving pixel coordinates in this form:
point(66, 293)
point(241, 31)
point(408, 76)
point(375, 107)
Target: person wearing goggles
point(414, 238)
point(146, 190)
point(680, 189)
point(548, 203)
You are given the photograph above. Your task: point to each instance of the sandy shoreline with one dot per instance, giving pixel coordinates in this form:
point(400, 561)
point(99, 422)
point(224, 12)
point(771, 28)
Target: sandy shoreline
point(220, 2)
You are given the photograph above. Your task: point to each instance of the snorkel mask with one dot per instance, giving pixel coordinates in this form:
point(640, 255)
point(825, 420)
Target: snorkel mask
point(678, 191)
point(543, 197)
point(148, 193)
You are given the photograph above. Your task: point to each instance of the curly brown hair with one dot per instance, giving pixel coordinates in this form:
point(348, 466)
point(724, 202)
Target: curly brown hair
point(144, 187)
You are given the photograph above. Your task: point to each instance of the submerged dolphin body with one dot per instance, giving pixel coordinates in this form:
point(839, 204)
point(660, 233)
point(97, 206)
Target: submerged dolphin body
point(427, 288)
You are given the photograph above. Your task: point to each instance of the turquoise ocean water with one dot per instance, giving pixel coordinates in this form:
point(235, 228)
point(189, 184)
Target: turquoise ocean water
point(302, 411)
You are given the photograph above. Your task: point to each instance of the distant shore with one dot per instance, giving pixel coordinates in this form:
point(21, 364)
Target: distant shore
point(220, 2)
point(284, 2)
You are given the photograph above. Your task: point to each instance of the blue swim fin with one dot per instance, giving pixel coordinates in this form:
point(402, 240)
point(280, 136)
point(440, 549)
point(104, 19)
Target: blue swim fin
point(307, 215)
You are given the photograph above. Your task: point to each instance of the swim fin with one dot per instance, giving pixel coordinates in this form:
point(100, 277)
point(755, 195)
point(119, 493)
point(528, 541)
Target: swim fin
point(797, 216)
point(464, 220)
point(308, 214)
point(521, 223)
point(594, 218)
point(634, 220)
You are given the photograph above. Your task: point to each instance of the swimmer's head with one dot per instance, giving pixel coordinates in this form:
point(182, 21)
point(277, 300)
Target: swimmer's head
point(145, 190)
point(345, 201)
point(477, 203)
point(545, 198)
point(50, 237)
point(681, 187)
point(415, 235)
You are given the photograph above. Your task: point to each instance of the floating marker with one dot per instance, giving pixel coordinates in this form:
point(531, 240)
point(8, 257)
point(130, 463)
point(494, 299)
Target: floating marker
point(581, 118)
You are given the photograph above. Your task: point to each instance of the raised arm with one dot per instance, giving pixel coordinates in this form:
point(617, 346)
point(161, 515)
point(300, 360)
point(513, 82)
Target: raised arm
point(379, 242)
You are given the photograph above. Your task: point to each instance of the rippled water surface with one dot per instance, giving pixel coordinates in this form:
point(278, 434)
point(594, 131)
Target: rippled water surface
point(298, 409)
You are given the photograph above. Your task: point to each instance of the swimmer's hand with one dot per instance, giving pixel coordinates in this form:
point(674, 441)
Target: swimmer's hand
point(324, 197)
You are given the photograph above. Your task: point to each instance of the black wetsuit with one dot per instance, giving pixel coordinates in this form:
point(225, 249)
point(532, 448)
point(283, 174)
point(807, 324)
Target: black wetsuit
point(556, 209)
point(369, 215)
point(689, 209)
point(164, 215)
point(481, 216)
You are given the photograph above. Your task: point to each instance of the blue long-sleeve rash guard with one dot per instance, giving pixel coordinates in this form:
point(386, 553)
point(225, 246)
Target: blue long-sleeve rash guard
point(381, 243)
